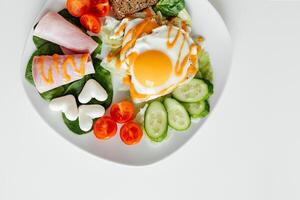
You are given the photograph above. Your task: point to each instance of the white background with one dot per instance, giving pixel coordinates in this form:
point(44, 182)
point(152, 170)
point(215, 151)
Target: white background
point(248, 149)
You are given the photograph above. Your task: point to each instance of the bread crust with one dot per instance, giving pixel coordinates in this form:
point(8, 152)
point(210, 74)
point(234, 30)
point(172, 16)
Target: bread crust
point(121, 8)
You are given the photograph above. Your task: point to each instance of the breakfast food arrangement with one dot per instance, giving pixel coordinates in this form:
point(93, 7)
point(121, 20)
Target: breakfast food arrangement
point(147, 46)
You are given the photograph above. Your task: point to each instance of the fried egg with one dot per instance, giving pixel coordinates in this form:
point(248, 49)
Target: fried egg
point(156, 59)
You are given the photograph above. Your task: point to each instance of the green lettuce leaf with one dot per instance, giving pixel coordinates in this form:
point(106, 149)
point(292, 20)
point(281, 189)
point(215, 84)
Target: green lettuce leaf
point(170, 8)
point(205, 69)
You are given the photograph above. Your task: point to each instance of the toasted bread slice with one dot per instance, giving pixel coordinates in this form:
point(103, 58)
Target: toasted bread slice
point(121, 8)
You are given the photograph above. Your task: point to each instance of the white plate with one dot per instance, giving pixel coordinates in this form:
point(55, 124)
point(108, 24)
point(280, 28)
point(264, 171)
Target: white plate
point(206, 22)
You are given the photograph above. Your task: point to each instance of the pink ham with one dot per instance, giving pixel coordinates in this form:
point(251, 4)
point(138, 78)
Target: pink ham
point(56, 29)
point(50, 72)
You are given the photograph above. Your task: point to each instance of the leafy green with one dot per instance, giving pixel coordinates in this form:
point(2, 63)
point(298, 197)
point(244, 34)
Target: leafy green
point(104, 78)
point(75, 88)
point(98, 49)
point(73, 126)
point(101, 75)
point(74, 20)
point(54, 93)
point(38, 42)
point(170, 8)
point(205, 68)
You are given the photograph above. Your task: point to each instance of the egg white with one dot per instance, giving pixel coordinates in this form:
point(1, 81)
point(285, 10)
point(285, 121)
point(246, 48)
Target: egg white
point(157, 40)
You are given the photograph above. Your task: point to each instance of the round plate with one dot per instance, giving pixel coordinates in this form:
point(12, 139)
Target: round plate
point(206, 22)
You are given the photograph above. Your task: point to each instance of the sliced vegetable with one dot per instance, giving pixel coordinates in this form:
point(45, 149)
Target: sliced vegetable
point(78, 7)
point(91, 23)
point(194, 91)
point(198, 109)
point(156, 121)
point(131, 133)
point(170, 8)
point(105, 128)
point(178, 118)
point(100, 8)
point(122, 112)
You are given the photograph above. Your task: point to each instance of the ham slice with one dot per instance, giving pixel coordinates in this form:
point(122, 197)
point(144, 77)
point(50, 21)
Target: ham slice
point(50, 72)
point(56, 29)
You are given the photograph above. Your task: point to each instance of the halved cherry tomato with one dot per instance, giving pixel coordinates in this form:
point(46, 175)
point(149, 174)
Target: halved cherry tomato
point(105, 128)
point(131, 133)
point(78, 7)
point(90, 22)
point(122, 112)
point(100, 8)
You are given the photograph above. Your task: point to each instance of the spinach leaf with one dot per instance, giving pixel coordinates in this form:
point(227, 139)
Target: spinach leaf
point(76, 87)
point(101, 75)
point(54, 93)
point(38, 42)
point(170, 8)
point(98, 49)
point(74, 20)
point(73, 126)
point(104, 78)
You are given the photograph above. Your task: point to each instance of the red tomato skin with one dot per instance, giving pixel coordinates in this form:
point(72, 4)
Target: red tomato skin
point(91, 23)
point(105, 128)
point(122, 112)
point(100, 8)
point(131, 133)
point(77, 8)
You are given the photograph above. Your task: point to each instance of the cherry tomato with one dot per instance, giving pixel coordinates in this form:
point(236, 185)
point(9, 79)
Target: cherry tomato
point(131, 133)
point(105, 128)
point(100, 8)
point(122, 112)
point(78, 7)
point(91, 23)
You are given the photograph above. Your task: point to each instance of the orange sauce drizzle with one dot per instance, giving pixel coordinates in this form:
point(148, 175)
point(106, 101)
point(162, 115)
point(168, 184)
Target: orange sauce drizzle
point(148, 12)
point(121, 29)
point(68, 61)
point(127, 80)
point(171, 44)
point(145, 27)
point(179, 66)
point(47, 79)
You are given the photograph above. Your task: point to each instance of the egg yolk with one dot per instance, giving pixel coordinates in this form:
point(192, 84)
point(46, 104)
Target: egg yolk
point(152, 68)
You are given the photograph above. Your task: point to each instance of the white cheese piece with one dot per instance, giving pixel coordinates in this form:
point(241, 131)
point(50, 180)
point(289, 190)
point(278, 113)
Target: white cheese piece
point(87, 113)
point(67, 105)
point(92, 89)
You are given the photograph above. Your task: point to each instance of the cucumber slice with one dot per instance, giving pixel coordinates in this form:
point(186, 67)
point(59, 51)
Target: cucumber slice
point(156, 121)
point(194, 91)
point(197, 110)
point(178, 117)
